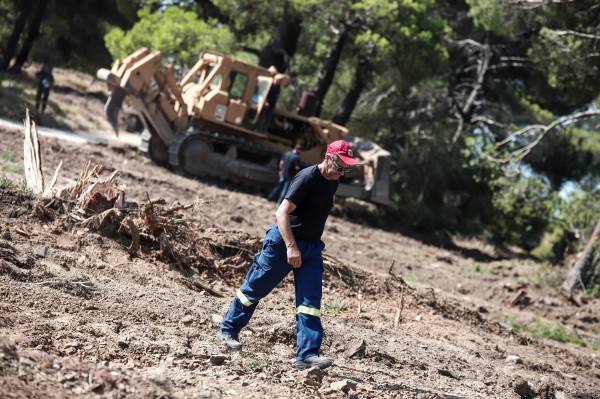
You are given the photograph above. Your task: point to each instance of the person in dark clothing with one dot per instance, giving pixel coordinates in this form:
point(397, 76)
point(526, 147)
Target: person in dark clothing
point(294, 243)
point(269, 107)
point(289, 166)
point(45, 82)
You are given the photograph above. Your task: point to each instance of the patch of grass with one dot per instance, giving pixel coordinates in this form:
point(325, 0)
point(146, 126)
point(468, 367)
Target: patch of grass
point(595, 291)
point(6, 156)
point(12, 169)
point(411, 278)
point(7, 184)
point(517, 265)
point(545, 276)
point(254, 362)
point(486, 269)
point(518, 326)
point(554, 331)
point(332, 305)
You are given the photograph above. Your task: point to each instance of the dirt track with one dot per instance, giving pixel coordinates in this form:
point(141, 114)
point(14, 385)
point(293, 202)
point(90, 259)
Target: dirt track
point(146, 331)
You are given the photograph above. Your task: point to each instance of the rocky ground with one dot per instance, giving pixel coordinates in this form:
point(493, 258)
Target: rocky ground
point(81, 317)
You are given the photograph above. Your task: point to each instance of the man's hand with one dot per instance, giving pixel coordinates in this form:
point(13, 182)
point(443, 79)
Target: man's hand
point(294, 257)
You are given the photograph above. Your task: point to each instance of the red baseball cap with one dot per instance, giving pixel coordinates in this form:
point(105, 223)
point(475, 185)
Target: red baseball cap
point(342, 150)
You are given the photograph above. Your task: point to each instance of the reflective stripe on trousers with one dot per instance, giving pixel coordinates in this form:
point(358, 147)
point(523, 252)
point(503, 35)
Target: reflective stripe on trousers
point(268, 269)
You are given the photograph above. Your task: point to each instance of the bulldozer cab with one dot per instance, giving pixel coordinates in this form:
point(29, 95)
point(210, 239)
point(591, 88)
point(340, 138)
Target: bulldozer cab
point(226, 90)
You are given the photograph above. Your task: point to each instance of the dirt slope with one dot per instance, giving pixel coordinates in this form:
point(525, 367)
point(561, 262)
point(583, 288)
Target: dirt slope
point(80, 317)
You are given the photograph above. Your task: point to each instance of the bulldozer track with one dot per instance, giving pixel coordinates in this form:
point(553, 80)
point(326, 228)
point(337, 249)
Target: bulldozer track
point(194, 133)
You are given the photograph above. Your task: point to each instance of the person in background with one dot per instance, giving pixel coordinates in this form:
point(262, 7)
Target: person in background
point(294, 243)
point(270, 103)
point(289, 166)
point(45, 82)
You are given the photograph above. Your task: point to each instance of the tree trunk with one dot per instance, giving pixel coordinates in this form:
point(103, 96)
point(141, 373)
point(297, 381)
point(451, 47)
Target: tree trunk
point(343, 113)
point(34, 31)
point(584, 263)
point(11, 46)
point(326, 78)
point(282, 45)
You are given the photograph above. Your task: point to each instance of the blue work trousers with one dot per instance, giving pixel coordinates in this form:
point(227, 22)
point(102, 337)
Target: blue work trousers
point(270, 266)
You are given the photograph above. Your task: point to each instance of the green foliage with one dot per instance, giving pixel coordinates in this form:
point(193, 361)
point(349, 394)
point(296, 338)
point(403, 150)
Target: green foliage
point(492, 15)
point(486, 269)
point(8, 15)
point(595, 291)
point(332, 305)
point(179, 34)
point(7, 156)
point(581, 210)
point(513, 324)
point(249, 17)
point(71, 33)
point(11, 169)
point(545, 276)
point(407, 32)
point(553, 245)
point(554, 331)
point(7, 184)
point(560, 157)
point(254, 363)
point(564, 59)
point(524, 205)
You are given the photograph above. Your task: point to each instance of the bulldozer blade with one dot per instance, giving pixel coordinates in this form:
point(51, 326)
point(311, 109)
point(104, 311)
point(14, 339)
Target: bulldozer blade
point(112, 107)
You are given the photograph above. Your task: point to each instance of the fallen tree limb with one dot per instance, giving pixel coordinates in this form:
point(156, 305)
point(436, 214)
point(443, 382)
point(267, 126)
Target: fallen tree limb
point(191, 283)
point(135, 235)
point(167, 248)
point(97, 221)
point(83, 284)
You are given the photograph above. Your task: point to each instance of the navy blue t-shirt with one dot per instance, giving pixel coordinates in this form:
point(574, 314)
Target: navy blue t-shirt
point(313, 196)
point(290, 161)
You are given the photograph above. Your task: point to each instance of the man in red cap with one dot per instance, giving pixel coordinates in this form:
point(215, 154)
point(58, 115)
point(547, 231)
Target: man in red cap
point(294, 243)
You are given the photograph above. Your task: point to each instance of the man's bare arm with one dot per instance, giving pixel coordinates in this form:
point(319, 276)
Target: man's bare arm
point(285, 228)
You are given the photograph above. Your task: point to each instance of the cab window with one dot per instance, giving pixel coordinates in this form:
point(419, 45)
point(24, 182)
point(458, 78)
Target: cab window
point(260, 90)
point(237, 84)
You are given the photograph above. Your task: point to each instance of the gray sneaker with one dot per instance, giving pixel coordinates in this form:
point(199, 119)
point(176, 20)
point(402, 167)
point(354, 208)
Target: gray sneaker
point(314, 361)
point(230, 341)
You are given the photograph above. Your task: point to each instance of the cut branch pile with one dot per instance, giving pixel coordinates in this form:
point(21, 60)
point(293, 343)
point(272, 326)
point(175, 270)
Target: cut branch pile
point(99, 203)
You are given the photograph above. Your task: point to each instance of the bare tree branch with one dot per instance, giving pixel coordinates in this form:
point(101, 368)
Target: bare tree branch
point(531, 4)
point(520, 153)
point(573, 33)
point(482, 65)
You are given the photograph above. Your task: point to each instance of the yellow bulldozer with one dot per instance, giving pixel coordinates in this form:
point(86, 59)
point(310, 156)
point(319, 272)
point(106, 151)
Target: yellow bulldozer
point(204, 124)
